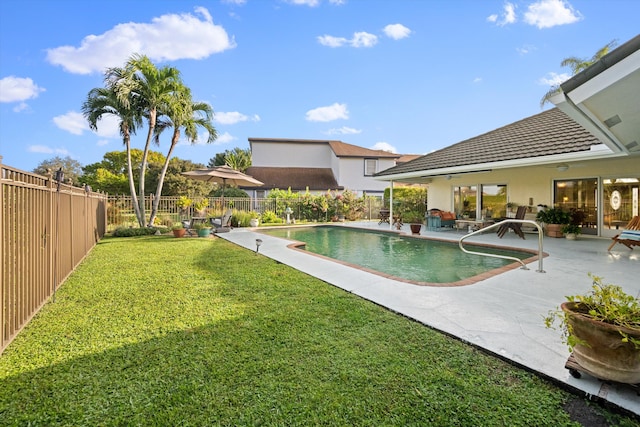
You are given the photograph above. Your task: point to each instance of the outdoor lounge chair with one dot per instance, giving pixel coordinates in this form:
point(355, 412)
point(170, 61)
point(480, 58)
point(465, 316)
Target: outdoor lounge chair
point(223, 224)
point(516, 227)
point(630, 237)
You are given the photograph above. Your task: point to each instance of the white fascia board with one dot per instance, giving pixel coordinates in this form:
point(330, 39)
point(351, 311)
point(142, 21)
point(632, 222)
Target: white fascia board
point(598, 152)
point(606, 79)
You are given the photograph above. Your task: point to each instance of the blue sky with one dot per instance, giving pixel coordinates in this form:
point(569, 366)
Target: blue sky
point(405, 75)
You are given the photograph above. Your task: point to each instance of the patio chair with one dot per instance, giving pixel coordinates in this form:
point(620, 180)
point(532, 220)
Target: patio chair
point(223, 224)
point(630, 237)
point(516, 227)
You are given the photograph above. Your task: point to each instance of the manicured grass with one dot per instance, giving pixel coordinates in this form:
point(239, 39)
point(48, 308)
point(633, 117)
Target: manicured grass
point(164, 331)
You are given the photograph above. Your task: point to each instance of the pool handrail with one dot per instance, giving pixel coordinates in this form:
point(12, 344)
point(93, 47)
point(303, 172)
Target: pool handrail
point(498, 224)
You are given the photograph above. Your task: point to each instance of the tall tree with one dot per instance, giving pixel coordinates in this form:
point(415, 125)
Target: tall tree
point(577, 65)
point(181, 113)
point(106, 101)
point(152, 88)
point(72, 168)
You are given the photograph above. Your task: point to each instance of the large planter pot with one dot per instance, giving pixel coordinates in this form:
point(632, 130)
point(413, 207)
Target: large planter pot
point(415, 228)
point(554, 230)
point(571, 236)
point(604, 354)
point(253, 222)
point(179, 232)
point(204, 232)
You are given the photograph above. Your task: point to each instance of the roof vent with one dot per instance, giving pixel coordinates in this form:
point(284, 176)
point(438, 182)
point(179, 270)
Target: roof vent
point(633, 146)
point(612, 121)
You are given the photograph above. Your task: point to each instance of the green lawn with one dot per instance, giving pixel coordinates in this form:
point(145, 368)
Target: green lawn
point(163, 331)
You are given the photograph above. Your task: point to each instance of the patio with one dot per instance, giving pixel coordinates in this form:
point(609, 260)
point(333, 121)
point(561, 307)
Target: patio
point(477, 314)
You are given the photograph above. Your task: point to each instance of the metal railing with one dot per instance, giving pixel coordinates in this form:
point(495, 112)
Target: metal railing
point(46, 229)
point(499, 224)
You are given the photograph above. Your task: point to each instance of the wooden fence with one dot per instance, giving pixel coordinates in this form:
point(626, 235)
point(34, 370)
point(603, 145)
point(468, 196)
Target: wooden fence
point(46, 229)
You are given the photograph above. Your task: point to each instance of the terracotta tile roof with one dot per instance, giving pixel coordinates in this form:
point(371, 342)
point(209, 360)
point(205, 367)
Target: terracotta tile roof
point(317, 179)
point(404, 158)
point(341, 149)
point(544, 134)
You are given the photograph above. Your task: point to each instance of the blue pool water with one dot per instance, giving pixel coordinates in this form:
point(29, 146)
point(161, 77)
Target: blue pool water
point(414, 259)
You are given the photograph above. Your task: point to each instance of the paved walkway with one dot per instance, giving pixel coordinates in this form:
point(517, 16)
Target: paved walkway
point(502, 314)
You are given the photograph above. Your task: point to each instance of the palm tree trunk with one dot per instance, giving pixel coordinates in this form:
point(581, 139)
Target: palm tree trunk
point(143, 165)
point(156, 200)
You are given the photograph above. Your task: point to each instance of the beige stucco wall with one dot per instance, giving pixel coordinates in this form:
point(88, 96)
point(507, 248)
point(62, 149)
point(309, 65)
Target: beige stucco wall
point(531, 182)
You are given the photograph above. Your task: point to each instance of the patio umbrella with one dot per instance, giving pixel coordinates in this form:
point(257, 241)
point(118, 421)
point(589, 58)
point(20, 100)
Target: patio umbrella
point(223, 175)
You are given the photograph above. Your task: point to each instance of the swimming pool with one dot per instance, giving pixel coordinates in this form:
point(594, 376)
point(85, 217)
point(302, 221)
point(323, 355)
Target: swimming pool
point(416, 260)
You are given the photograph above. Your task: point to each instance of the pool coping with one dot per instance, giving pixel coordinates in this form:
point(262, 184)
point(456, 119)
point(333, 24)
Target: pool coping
point(297, 246)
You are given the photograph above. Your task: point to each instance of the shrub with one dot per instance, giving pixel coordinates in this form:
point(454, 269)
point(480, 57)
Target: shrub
point(137, 231)
point(270, 217)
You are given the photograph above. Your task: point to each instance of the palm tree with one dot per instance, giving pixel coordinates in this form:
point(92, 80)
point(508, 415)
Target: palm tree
point(152, 88)
point(577, 65)
point(105, 101)
point(180, 112)
point(238, 159)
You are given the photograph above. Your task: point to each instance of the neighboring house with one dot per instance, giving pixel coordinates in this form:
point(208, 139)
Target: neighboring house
point(583, 155)
point(316, 165)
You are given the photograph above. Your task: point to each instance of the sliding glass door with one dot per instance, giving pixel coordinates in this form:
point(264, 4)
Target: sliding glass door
point(620, 197)
point(580, 198)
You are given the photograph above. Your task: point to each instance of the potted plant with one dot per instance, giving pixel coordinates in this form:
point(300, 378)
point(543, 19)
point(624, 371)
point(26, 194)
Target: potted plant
point(203, 229)
point(178, 230)
point(183, 204)
point(602, 328)
point(255, 219)
point(554, 219)
point(415, 220)
point(571, 231)
point(201, 207)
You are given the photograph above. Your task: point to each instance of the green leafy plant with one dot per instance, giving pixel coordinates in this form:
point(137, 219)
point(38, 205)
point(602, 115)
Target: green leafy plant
point(177, 226)
point(553, 216)
point(571, 229)
point(605, 303)
point(201, 225)
point(201, 204)
point(183, 202)
point(413, 217)
point(270, 217)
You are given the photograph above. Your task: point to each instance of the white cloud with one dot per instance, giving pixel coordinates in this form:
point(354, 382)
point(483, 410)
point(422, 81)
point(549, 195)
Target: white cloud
point(328, 114)
point(508, 15)
point(344, 130)
point(235, 2)
point(72, 122)
point(477, 80)
point(310, 3)
point(20, 107)
point(102, 142)
point(332, 41)
point(360, 39)
point(15, 89)
point(549, 13)
point(230, 118)
point(337, 2)
point(554, 79)
point(225, 138)
point(47, 150)
point(385, 146)
point(167, 38)
point(364, 39)
point(525, 49)
point(397, 31)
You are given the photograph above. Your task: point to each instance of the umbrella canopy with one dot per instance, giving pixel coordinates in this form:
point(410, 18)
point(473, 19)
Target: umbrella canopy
point(223, 175)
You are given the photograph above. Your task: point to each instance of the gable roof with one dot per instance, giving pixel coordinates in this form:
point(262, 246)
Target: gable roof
point(545, 134)
point(340, 149)
point(316, 179)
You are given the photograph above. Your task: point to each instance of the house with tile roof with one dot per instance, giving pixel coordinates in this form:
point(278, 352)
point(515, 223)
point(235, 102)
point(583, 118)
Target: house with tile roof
point(317, 165)
point(583, 156)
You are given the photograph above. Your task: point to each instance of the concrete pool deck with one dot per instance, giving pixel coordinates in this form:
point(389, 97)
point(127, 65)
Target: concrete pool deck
point(501, 314)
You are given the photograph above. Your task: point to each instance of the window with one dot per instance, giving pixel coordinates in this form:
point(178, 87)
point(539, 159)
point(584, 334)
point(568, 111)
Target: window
point(494, 200)
point(464, 200)
point(370, 166)
point(579, 197)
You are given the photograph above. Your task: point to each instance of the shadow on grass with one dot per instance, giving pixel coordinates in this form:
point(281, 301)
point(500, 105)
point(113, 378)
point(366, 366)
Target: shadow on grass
point(230, 338)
